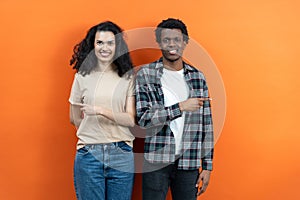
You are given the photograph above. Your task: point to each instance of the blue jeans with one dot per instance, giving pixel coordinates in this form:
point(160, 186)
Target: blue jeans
point(181, 182)
point(104, 172)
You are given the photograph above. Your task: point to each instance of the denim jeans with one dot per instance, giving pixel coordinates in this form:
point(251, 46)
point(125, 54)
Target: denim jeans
point(104, 172)
point(181, 182)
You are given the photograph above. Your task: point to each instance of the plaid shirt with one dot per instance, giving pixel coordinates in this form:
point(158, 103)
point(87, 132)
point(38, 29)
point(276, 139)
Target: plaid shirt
point(197, 138)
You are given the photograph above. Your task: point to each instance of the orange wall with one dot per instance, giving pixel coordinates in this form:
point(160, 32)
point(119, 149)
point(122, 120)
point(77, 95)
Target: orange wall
point(255, 45)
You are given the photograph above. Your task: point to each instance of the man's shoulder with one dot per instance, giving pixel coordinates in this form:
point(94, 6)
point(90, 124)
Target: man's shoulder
point(149, 69)
point(194, 70)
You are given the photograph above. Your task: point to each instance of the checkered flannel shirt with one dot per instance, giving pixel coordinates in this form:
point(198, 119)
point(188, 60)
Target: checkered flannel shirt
point(197, 139)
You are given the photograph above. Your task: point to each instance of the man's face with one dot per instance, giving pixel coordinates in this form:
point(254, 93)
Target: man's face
point(172, 44)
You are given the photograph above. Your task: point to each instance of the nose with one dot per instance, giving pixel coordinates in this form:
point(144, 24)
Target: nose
point(104, 46)
point(171, 42)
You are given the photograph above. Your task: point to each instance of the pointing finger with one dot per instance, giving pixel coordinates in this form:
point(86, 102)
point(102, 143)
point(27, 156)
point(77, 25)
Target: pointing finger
point(205, 99)
point(79, 104)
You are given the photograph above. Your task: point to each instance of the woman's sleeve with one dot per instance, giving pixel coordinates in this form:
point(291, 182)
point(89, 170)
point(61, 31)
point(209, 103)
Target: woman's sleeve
point(75, 95)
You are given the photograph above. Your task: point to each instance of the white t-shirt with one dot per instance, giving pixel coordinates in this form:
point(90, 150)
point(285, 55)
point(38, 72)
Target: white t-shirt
point(175, 90)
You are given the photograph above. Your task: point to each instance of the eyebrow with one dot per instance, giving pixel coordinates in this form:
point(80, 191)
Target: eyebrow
point(106, 41)
point(167, 37)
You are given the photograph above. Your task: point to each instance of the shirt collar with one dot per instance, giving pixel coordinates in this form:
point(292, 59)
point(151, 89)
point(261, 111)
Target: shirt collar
point(159, 67)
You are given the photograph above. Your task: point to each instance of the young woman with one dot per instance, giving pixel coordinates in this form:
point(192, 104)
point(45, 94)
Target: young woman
point(102, 107)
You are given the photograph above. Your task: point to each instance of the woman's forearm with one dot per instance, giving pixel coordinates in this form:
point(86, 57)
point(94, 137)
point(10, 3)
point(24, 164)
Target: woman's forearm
point(123, 119)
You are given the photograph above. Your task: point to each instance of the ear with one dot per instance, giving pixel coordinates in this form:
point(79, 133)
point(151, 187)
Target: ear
point(159, 44)
point(184, 44)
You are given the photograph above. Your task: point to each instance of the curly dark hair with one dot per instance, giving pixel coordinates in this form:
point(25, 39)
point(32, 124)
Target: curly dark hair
point(171, 23)
point(84, 59)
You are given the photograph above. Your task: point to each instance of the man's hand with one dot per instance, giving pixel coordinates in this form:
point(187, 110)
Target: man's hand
point(192, 104)
point(204, 178)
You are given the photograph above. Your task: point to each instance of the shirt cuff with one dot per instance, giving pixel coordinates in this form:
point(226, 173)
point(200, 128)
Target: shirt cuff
point(174, 111)
point(207, 165)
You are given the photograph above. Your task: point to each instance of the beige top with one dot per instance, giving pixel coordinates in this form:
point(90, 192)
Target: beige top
point(106, 89)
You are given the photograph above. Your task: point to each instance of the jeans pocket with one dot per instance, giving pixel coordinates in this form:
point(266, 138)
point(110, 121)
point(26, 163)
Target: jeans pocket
point(83, 150)
point(124, 147)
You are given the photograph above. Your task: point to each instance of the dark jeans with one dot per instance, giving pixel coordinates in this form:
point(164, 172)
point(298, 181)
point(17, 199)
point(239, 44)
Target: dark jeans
point(181, 182)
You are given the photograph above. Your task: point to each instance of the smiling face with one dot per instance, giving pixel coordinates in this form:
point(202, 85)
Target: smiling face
point(172, 44)
point(105, 46)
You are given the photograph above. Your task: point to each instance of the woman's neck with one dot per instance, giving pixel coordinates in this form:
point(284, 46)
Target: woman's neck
point(102, 67)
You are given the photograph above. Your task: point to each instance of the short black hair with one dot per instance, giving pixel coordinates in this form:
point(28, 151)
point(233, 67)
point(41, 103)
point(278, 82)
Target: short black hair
point(171, 23)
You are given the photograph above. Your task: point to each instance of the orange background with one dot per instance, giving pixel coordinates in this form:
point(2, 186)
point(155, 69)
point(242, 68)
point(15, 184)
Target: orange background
point(254, 43)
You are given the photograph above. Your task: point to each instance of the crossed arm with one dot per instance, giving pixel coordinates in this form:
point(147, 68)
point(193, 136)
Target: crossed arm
point(127, 118)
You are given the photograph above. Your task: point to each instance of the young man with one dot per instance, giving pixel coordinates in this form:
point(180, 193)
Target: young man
point(173, 104)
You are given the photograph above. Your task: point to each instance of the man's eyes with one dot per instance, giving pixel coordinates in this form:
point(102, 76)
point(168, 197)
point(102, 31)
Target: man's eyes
point(177, 39)
point(168, 40)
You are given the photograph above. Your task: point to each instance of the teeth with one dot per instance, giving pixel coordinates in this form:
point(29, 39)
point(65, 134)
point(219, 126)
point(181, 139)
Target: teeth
point(104, 54)
point(172, 52)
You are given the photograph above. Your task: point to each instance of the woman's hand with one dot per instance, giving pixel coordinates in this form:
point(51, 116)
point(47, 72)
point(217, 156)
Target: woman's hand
point(89, 109)
point(126, 118)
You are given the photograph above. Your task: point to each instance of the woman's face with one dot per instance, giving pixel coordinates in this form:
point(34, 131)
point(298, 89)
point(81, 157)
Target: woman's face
point(105, 46)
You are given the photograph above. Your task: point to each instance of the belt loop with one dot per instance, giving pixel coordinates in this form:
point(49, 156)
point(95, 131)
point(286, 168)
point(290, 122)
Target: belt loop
point(116, 144)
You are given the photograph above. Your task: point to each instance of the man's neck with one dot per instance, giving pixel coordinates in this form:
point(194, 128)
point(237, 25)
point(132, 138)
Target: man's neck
point(175, 66)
